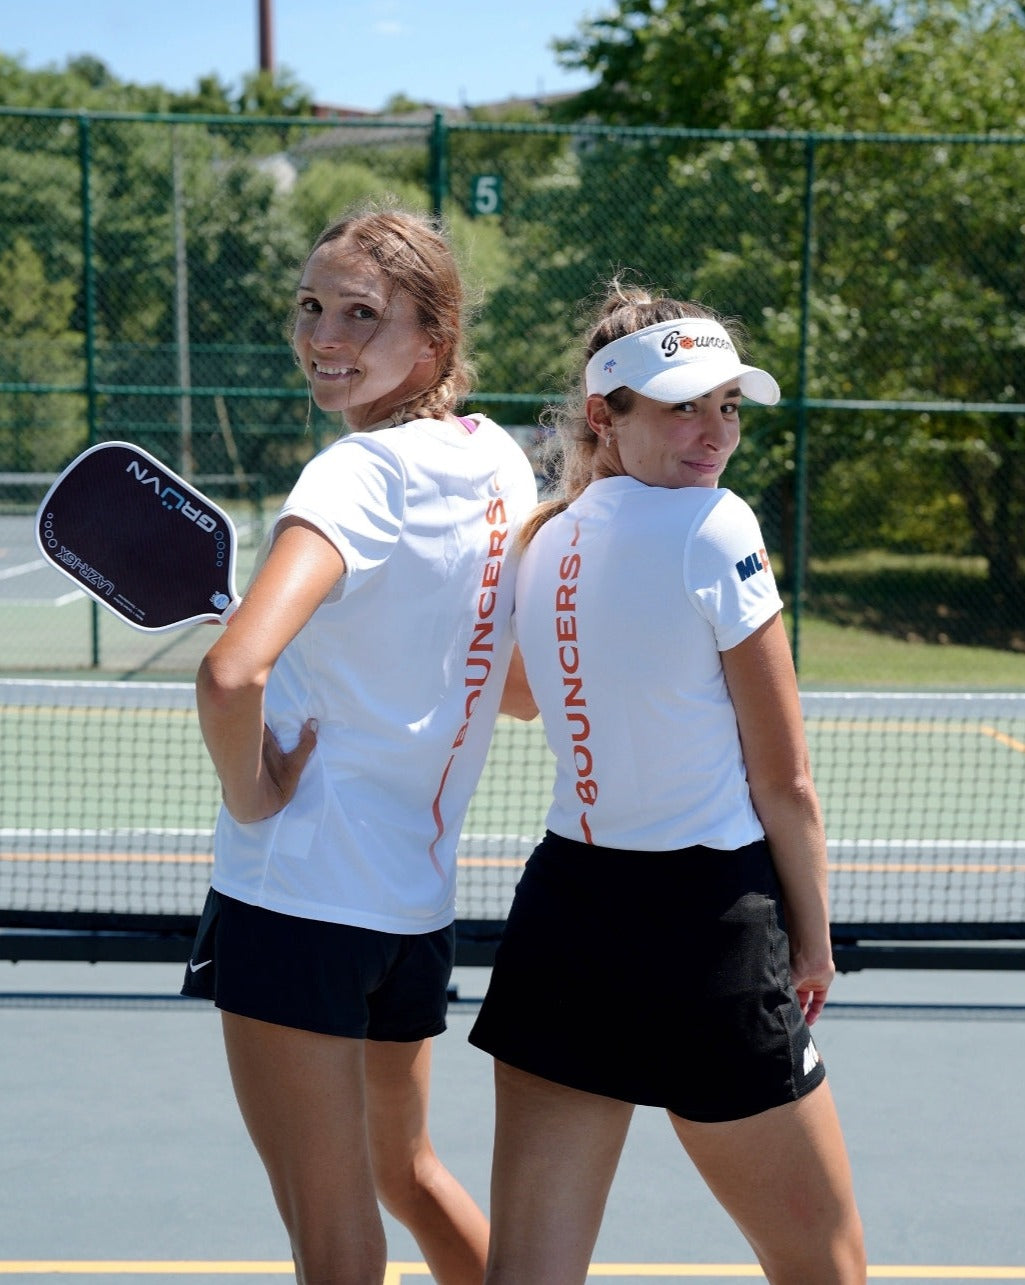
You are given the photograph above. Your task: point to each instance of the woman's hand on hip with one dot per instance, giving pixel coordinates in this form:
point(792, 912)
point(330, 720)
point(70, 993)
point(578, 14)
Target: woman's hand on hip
point(278, 780)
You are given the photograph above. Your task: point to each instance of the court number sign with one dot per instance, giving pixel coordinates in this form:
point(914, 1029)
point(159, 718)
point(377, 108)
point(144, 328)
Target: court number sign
point(486, 194)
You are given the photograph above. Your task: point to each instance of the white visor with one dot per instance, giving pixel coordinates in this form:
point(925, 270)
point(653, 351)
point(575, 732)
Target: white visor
point(676, 361)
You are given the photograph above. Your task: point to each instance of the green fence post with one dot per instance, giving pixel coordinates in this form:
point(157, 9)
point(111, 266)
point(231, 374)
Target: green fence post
point(89, 306)
point(800, 550)
point(439, 164)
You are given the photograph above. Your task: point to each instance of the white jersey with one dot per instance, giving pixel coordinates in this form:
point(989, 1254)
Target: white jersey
point(623, 604)
point(403, 667)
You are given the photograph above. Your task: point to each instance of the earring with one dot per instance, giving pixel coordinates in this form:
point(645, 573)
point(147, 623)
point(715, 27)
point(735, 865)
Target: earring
point(608, 439)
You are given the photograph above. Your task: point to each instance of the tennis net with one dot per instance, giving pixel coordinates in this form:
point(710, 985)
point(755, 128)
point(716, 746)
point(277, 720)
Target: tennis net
point(109, 801)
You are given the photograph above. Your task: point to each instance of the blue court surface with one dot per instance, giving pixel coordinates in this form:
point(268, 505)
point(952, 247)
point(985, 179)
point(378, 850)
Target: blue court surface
point(122, 1155)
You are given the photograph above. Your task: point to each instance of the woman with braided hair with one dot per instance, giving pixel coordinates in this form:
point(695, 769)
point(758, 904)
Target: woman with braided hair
point(348, 710)
point(675, 914)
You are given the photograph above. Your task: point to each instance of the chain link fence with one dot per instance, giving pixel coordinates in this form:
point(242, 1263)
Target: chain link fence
point(148, 267)
point(149, 264)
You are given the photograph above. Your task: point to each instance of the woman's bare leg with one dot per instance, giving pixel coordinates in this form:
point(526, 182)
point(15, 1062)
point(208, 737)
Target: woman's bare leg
point(412, 1183)
point(556, 1152)
point(303, 1100)
point(784, 1178)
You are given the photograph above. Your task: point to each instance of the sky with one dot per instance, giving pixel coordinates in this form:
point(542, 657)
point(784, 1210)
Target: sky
point(348, 53)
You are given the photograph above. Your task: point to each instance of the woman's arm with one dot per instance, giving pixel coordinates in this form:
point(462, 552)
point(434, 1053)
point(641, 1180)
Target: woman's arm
point(257, 776)
point(763, 687)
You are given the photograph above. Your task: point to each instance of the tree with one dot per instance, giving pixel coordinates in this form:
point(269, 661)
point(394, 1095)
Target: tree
point(38, 346)
point(211, 97)
point(867, 65)
point(918, 290)
point(278, 93)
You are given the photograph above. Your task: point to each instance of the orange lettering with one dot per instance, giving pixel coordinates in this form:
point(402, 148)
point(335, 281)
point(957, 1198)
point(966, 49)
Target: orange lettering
point(583, 725)
point(569, 567)
point(566, 628)
point(480, 662)
point(587, 792)
point(482, 631)
point(480, 641)
point(574, 702)
point(573, 696)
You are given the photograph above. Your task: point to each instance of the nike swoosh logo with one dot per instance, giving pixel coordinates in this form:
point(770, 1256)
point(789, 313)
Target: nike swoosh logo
point(196, 967)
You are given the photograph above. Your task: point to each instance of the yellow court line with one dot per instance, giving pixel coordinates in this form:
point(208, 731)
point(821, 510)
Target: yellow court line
point(395, 1272)
point(144, 1267)
point(947, 1273)
point(1003, 739)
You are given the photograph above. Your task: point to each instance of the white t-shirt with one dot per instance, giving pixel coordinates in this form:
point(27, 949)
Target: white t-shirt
point(403, 667)
point(623, 603)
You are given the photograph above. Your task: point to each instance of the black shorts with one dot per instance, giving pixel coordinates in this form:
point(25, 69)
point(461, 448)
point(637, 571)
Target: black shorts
point(661, 979)
point(331, 978)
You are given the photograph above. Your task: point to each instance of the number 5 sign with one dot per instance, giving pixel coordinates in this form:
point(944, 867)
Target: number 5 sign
point(486, 194)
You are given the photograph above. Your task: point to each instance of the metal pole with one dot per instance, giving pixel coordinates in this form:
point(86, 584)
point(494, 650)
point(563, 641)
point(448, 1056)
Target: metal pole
point(89, 326)
point(439, 165)
point(181, 313)
point(265, 21)
point(800, 552)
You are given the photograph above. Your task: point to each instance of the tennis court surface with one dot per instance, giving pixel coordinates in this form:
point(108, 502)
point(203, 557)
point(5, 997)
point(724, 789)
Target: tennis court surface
point(124, 1158)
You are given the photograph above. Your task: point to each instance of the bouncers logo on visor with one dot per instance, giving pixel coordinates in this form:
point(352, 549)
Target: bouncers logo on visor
point(674, 340)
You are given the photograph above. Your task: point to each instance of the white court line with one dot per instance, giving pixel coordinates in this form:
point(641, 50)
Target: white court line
point(26, 568)
point(63, 600)
point(23, 569)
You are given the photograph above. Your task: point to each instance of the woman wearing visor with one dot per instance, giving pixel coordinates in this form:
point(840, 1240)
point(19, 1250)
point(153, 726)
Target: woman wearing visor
point(675, 915)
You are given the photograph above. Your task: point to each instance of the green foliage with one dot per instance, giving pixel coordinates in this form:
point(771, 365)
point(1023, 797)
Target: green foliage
point(211, 97)
point(85, 83)
point(327, 186)
point(867, 65)
point(918, 286)
point(265, 93)
point(915, 270)
point(402, 105)
point(38, 346)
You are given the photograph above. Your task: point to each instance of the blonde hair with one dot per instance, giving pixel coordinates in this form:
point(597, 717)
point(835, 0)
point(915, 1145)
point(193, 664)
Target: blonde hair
point(571, 451)
point(413, 252)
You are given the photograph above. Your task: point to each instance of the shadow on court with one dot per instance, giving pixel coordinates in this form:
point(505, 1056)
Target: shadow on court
point(124, 1158)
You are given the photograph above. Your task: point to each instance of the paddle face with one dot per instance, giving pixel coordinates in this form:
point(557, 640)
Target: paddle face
point(139, 539)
